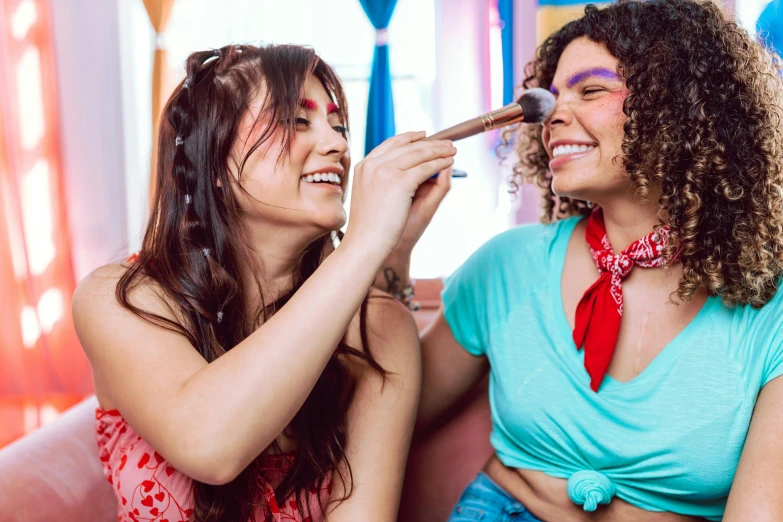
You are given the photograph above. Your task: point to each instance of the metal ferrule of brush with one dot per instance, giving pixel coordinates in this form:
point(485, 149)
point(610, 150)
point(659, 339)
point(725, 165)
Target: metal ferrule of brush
point(507, 115)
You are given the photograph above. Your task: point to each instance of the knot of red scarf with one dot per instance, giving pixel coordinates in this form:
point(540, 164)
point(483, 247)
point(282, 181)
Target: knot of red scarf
point(598, 313)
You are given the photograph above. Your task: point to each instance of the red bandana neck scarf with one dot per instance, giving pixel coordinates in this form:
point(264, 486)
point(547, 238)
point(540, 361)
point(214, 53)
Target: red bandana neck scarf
point(599, 311)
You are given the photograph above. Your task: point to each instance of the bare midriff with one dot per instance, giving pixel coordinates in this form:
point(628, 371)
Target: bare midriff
point(546, 497)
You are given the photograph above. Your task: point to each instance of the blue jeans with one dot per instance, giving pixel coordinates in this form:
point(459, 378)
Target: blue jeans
point(486, 501)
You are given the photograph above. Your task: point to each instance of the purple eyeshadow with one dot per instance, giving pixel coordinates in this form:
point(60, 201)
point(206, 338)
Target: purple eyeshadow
point(599, 72)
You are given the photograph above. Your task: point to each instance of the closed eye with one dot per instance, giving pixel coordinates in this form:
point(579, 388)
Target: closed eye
point(302, 121)
point(592, 90)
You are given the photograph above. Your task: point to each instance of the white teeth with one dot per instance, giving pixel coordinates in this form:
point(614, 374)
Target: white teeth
point(562, 150)
point(323, 177)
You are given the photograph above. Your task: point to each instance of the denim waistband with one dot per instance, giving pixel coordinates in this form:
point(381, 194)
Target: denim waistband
point(484, 499)
point(486, 488)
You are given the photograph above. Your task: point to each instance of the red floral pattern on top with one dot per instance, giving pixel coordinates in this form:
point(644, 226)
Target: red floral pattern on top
point(149, 489)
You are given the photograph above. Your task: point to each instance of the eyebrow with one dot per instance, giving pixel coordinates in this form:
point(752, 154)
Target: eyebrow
point(599, 72)
point(312, 105)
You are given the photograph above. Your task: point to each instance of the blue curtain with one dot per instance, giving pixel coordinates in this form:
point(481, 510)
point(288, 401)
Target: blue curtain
point(506, 12)
point(770, 26)
point(380, 106)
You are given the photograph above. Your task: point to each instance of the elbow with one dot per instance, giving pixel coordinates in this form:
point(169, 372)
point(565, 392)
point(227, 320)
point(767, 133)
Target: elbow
point(217, 477)
point(215, 463)
point(212, 451)
point(215, 473)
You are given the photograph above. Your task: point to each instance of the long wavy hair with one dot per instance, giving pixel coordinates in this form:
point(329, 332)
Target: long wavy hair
point(196, 242)
point(704, 114)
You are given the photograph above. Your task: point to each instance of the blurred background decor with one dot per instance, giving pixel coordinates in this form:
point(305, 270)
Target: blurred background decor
point(82, 83)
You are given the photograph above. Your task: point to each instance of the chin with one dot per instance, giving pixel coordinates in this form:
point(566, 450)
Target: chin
point(566, 188)
point(579, 185)
point(334, 222)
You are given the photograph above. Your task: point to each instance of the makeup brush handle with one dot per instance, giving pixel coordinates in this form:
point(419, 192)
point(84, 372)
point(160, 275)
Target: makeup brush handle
point(459, 131)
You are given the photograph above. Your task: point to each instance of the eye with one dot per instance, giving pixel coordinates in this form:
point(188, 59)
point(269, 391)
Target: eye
point(303, 121)
point(592, 90)
point(341, 129)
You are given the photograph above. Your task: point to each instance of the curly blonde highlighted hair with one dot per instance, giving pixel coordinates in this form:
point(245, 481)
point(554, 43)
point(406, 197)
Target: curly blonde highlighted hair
point(704, 122)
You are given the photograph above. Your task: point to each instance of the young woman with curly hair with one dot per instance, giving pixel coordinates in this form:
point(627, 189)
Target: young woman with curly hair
point(243, 371)
point(634, 339)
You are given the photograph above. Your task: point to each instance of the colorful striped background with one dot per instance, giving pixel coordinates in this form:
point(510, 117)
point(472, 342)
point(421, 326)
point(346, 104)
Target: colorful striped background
point(554, 14)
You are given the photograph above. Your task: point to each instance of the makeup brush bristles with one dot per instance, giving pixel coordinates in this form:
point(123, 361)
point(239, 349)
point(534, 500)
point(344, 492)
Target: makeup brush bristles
point(537, 104)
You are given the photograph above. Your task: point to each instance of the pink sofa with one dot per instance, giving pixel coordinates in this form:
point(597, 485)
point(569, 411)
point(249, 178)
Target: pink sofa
point(54, 474)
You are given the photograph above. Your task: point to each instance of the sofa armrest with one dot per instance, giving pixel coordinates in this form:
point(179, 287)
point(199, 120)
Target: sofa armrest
point(54, 473)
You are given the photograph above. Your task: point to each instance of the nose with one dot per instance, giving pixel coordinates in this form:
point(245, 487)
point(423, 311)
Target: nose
point(331, 142)
point(562, 114)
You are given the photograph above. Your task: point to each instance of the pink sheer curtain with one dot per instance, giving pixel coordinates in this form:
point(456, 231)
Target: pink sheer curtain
point(43, 370)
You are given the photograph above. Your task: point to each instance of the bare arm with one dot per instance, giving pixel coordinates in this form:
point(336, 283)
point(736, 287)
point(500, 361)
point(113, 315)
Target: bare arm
point(211, 420)
point(380, 418)
point(756, 491)
point(449, 372)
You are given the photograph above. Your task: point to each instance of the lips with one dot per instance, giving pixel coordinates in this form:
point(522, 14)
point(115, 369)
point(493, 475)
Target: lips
point(563, 153)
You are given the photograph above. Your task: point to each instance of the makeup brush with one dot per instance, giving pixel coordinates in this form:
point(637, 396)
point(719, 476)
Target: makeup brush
point(534, 106)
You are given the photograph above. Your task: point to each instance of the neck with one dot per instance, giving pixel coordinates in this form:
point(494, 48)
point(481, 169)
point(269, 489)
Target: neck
point(626, 221)
point(279, 250)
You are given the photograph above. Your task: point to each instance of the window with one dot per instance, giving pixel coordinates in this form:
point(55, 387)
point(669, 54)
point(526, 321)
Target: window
point(341, 33)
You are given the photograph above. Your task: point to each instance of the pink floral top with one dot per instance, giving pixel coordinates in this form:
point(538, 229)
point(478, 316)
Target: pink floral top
point(148, 489)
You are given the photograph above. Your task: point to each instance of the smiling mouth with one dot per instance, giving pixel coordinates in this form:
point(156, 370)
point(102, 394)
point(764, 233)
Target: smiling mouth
point(563, 150)
point(323, 177)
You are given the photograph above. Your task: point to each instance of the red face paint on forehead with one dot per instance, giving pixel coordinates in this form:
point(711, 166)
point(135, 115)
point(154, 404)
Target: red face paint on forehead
point(332, 108)
point(309, 104)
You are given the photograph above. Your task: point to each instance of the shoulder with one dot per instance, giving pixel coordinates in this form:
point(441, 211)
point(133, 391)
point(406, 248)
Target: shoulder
point(528, 241)
point(514, 258)
point(769, 320)
point(766, 320)
point(390, 330)
point(97, 311)
point(97, 291)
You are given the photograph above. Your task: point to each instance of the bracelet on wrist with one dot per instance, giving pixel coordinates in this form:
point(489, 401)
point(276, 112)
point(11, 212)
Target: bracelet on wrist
point(406, 296)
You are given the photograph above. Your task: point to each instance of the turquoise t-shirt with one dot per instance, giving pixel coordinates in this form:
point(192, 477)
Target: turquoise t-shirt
point(668, 440)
